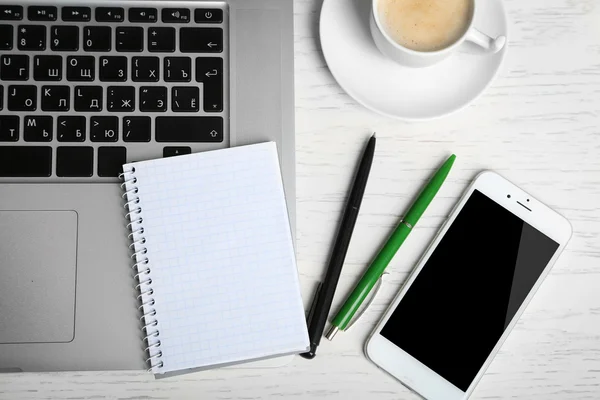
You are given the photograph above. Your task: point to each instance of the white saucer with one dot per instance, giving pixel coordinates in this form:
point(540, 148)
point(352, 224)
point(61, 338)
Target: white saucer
point(400, 92)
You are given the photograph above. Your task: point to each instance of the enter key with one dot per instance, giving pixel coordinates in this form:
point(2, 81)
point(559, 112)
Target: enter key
point(209, 71)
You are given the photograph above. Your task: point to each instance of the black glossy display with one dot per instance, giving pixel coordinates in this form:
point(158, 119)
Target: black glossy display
point(469, 290)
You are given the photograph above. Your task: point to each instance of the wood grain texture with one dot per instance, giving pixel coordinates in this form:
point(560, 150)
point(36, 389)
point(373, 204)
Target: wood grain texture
point(538, 125)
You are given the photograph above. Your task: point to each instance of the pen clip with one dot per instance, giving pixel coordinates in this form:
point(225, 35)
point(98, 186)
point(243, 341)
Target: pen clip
point(311, 312)
point(366, 306)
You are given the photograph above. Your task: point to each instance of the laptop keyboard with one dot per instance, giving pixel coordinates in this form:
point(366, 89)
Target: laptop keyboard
point(85, 89)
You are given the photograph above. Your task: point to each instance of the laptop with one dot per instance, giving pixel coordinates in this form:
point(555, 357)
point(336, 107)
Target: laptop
point(84, 88)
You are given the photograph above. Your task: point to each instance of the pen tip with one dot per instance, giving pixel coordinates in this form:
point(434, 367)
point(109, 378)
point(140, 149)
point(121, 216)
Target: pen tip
point(332, 331)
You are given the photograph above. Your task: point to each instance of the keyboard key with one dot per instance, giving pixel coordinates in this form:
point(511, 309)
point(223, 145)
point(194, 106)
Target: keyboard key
point(153, 99)
point(130, 38)
point(161, 39)
point(136, 129)
point(31, 37)
point(6, 37)
point(26, 161)
point(11, 13)
point(56, 98)
point(42, 13)
point(201, 40)
point(143, 15)
point(109, 14)
point(71, 129)
point(97, 38)
point(76, 14)
point(104, 129)
point(121, 98)
point(64, 38)
point(111, 160)
point(74, 161)
point(178, 69)
point(37, 128)
point(14, 67)
point(176, 151)
point(177, 15)
point(88, 98)
point(185, 99)
point(9, 128)
point(113, 69)
point(207, 15)
point(189, 129)
point(1, 97)
point(47, 68)
point(145, 69)
point(81, 68)
point(209, 71)
point(22, 98)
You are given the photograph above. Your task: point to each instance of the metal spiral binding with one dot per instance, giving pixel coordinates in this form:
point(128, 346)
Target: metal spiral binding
point(141, 265)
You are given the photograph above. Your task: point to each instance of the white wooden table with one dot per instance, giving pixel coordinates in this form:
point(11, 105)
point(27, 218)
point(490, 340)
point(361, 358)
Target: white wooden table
point(538, 125)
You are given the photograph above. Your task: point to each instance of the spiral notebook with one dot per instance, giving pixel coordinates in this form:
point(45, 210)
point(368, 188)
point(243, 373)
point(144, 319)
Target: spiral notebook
point(213, 249)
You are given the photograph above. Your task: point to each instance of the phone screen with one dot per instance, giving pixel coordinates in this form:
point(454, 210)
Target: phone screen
point(469, 290)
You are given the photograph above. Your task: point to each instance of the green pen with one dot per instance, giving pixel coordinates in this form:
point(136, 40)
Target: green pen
point(385, 255)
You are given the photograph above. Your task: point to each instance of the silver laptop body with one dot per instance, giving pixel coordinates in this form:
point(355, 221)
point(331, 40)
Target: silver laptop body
point(67, 291)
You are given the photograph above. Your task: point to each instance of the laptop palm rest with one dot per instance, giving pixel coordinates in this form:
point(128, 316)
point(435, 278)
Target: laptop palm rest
point(37, 289)
point(67, 297)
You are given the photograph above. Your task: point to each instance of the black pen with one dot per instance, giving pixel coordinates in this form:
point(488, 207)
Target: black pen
point(319, 312)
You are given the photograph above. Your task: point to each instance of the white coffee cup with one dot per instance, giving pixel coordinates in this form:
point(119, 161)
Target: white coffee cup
point(414, 58)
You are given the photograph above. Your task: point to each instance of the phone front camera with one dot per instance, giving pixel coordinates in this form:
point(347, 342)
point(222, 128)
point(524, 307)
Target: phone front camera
point(508, 196)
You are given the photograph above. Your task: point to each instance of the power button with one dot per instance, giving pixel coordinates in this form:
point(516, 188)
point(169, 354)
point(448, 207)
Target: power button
point(208, 15)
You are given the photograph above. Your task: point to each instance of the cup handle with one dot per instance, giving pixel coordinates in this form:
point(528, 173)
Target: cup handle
point(486, 42)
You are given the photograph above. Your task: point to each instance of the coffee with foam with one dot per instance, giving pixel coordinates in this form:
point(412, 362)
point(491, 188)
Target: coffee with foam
point(425, 25)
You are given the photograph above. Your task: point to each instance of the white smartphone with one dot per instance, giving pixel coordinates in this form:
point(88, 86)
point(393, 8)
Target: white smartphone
point(467, 292)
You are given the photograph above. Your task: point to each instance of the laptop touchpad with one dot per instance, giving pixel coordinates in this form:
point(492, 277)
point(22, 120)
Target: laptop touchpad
point(38, 252)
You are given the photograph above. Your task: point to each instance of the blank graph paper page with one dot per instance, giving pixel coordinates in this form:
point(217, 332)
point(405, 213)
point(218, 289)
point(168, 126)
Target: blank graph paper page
point(221, 257)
